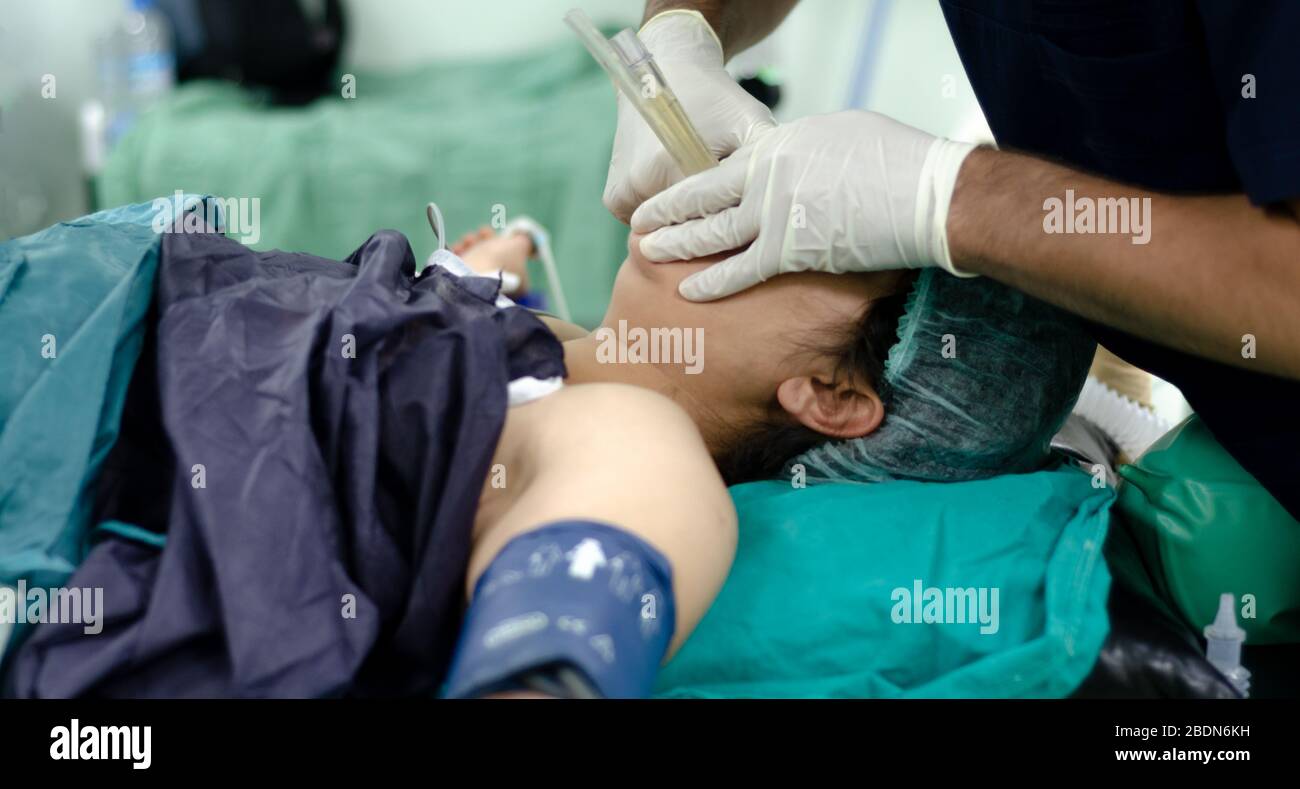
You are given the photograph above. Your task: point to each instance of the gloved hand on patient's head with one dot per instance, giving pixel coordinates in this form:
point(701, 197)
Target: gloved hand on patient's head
point(851, 191)
point(691, 58)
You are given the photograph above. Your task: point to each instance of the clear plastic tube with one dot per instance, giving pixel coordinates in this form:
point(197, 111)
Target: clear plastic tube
point(634, 72)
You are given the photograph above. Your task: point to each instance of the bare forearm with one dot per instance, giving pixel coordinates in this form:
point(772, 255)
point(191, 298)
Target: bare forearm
point(1215, 275)
point(740, 24)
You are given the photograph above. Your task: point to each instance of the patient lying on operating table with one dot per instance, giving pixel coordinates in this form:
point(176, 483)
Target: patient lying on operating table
point(320, 461)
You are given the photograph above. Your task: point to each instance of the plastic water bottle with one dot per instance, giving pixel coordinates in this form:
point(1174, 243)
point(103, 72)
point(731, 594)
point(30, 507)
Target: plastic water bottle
point(137, 66)
point(1223, 640)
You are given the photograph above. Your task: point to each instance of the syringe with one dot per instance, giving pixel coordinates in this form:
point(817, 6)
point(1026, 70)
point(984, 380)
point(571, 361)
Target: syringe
point(634, 72)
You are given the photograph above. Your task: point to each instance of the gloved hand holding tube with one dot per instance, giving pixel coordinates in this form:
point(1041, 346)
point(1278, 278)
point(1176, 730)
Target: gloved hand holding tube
point(851, 191)
point(691, 58)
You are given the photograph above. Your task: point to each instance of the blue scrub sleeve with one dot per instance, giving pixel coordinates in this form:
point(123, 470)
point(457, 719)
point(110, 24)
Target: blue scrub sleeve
point(1256, 43)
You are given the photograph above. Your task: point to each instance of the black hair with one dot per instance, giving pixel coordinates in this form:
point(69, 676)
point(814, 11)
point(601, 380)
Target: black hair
point(760, 449)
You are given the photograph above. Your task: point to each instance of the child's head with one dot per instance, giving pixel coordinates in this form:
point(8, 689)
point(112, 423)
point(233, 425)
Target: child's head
point(783, 366)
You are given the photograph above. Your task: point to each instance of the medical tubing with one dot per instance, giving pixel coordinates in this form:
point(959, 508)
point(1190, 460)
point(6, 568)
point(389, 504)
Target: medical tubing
point(636, 75)
point(542, 245)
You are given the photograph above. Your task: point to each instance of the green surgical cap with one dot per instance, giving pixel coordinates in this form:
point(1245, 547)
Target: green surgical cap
point(981, 378)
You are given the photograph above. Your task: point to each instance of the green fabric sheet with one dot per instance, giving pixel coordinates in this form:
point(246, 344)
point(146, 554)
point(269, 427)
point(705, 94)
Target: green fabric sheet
point(488, 141)
point(1204, 527)
point(808, 610)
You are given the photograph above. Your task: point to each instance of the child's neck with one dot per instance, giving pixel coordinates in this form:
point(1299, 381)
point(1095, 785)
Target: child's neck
point(584, 366)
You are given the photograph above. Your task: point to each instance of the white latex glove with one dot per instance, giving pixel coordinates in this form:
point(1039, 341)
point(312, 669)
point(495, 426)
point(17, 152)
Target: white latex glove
point(853, 191)
point(690, 56)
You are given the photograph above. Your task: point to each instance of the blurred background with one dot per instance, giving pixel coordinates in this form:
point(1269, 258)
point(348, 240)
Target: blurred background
point(343, 117)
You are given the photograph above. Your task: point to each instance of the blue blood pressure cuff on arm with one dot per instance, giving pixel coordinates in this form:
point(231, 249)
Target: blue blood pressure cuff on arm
point(573, 599)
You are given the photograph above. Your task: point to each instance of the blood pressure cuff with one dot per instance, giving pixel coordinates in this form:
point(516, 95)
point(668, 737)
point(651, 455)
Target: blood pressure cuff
point(570, 595)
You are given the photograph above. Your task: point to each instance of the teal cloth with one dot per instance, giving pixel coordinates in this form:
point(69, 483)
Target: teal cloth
point(488, 141)
point(87, 284)
point(806, 611)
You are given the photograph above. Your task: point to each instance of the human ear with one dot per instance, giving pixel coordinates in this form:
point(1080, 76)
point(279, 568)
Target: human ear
point(839, 410)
